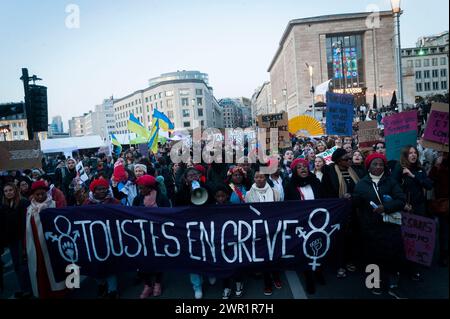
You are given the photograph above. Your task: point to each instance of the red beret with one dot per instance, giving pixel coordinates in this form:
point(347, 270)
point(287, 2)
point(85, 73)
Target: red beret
point(98, 182)
point(146, 180)
point(373, 156)
point(120, 175)
point(299, 161)
point(201, 169)
point(39, 185)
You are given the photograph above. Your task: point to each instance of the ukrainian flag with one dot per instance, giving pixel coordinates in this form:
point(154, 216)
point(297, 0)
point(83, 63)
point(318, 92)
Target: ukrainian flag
point(164, 122)
point(154, 137)
point(116, 143)
point(136, 127)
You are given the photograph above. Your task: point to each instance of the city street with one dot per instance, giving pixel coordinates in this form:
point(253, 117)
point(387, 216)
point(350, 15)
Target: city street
point(177, 286)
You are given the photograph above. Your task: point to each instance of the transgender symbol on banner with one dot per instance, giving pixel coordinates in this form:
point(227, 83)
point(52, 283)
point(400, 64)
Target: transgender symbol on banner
point(67, 245)
point(315, 245)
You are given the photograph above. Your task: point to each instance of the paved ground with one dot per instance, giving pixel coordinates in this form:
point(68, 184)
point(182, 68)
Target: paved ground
point(177, 286)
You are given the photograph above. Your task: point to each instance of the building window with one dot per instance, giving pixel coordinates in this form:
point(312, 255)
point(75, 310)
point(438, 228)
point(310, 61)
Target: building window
point(170, 114)
point(202, 123)
point(426, 62)
point(169, 93)
point(15, 133)
point(435, 73)
point(140, 108)
point(132, 103)
point(160, 94)
point(427, 86)
point(435, 61)
point(146, 99)
point(156, 105)
point(418, 63)
point(185, 101)
point(155, 97)
point(443, 73)
point(169, 103)
point(199, 101)
point(186, 113)
point(443, 85)
point(410, 63)
point(426, 74)
point(148, 108)
point(443, 61)
point(184, 92)
point(186, 124)
point(200, 112)
point(150, 98)
point(435, 86)
point(198, 92)
point(418, 75)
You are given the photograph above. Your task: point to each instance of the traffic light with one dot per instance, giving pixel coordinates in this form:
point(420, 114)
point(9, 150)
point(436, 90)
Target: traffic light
point(39, 109)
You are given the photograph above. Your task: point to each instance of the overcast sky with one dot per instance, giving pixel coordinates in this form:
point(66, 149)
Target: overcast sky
point(121, 44)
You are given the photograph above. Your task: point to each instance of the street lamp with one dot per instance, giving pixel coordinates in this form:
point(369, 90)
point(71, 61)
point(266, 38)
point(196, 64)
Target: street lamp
point(285, 99)
point(396, 10)
point(311, 71)
point(4, 130)
point(381, 96)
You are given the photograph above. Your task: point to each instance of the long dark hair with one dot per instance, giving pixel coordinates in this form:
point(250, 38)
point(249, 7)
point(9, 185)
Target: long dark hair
point(404, 158)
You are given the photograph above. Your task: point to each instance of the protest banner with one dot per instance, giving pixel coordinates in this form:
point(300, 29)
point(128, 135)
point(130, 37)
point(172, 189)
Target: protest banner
point(399, 130)
point(279, 121)
point(339, 114)
point(20, 155)
point(436, 131)
point(368, 134)
point(327, 155)
point(419, 235)
point(220, 240)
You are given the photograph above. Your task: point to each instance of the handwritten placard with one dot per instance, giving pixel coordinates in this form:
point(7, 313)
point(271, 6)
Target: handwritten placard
point(400, 123)
point(437, 124)
point(368, 134)
point(339, 114)
point(279, 121)
point(419, 235)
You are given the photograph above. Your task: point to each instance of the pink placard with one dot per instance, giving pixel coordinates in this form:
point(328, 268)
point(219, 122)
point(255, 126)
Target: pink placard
point(400, 123)
point(437, 127)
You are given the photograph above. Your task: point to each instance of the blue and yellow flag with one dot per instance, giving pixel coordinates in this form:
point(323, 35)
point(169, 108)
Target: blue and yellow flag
point(116, 143)
point(164, 122)
point(136, 127)
point(154, 137)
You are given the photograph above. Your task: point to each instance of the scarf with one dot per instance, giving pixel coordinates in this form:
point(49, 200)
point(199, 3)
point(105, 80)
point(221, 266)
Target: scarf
point(36, 207)
point(150, 199)
point(342, 184)
point(93, 200)
point(376, 179)
point(260, 195)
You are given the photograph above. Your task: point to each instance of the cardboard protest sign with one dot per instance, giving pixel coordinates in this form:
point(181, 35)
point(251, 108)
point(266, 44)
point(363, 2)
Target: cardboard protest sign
point(279, 121)
point(20, 155)
point(399, 130)
point(437, 127)
point(368, 134)
point(327, 155)
point(419, 235)
point(339, 114)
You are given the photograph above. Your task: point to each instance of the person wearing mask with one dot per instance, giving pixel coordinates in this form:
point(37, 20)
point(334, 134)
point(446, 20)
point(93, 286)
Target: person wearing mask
point(358, 164)
point(12, 231)
point(150, 196)
point(237, 179)
point(439, 205)
point(339, 181)
point(379, 195)
point(319, 166)
point(261, 192)
point(64, 177)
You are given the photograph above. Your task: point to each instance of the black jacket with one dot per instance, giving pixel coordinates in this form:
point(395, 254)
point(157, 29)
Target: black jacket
point(291, 187)
point(12, 223)
point(330, 182)
point(360, 170)
point(414, 187)
point(183, 196)
point(382, 241)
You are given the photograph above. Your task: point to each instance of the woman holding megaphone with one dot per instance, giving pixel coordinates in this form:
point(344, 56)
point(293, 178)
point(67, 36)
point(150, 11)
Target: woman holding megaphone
point(194, 192)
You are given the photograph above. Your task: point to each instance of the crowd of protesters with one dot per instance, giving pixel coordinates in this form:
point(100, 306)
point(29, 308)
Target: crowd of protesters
point(417, 184)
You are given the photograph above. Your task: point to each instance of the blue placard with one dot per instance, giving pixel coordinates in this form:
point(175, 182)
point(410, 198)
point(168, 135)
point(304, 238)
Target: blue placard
point(395, 143)
point(339, 114)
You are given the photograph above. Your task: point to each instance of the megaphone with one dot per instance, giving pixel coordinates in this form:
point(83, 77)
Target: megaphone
point(199, 195)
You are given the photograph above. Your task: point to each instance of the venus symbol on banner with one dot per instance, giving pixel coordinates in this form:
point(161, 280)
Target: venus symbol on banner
point(315, 244)
point(67, 245)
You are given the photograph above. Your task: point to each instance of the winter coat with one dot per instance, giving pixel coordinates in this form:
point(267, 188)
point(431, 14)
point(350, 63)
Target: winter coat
point(291, 187)
point(382, 241)
point(12, 223)
point(414, 187)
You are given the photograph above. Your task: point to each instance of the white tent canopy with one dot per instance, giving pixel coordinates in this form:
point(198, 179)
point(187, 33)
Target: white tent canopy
point(70, 144)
